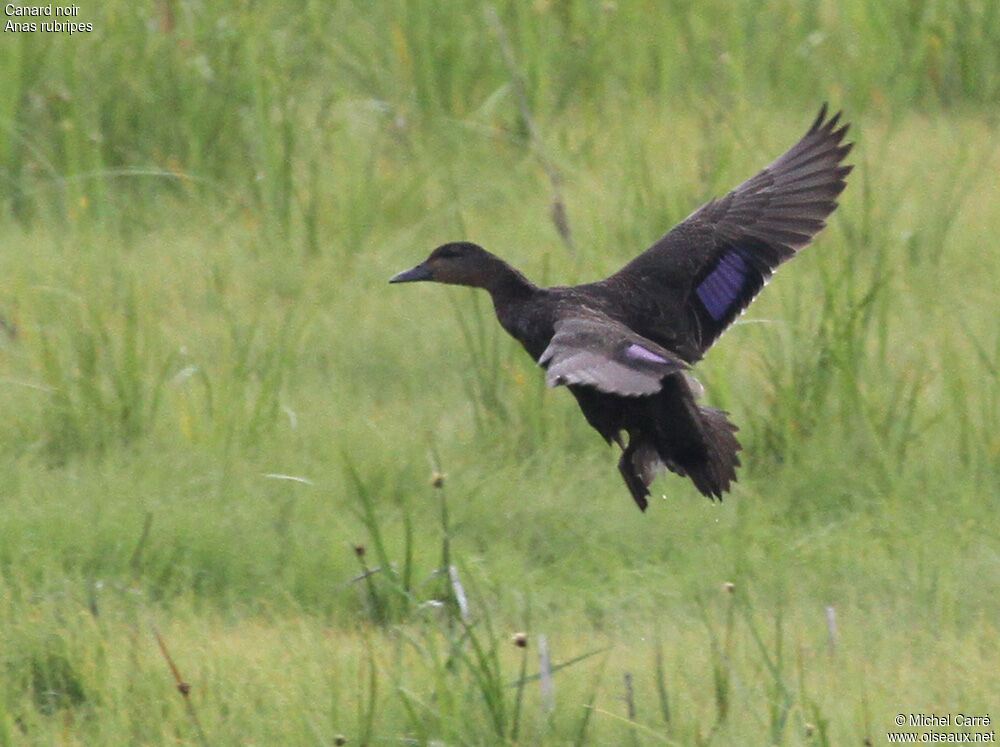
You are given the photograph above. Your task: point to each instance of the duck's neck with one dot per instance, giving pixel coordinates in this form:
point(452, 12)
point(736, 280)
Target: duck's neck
point(506, 284)
point(513, 300)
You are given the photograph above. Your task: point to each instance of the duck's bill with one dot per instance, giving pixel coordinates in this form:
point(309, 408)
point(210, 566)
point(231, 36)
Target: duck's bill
point(420, 272)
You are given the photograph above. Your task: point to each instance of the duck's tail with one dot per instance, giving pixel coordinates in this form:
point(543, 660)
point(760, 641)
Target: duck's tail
point(714, 468)
point(691, 440)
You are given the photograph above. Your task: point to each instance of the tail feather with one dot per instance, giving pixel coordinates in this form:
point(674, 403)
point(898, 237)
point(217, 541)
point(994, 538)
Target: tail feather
point(695, 440)
point(714, 469)
point(709, 461)
point(668, 430)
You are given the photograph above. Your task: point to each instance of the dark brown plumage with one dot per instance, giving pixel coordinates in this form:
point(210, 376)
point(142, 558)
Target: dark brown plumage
point(623, 345)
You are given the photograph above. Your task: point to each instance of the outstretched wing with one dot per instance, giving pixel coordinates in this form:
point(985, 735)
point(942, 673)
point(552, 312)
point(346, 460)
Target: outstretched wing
point(717, 259)
point(608, 356)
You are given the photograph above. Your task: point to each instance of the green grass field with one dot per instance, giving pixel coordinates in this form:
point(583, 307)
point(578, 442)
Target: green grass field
point(335, 502)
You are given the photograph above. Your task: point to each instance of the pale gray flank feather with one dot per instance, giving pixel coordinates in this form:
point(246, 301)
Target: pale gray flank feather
point(608, 356)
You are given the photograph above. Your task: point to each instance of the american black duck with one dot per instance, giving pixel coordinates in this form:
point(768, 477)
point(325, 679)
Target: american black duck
point(623, 345)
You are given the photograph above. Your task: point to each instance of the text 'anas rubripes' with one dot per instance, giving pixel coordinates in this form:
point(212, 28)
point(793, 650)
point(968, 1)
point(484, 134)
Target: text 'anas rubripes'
point(623, 345)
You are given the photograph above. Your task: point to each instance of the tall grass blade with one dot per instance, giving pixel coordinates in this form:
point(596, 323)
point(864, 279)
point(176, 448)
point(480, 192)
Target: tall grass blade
point(662, 693)
point(546, 683)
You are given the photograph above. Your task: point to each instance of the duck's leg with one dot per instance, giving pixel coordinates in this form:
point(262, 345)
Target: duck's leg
point(633, 480)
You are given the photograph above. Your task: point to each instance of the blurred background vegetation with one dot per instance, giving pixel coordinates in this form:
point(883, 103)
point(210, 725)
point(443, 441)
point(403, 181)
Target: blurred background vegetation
point(338, 500)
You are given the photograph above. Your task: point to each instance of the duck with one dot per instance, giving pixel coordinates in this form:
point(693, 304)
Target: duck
point(624, 346)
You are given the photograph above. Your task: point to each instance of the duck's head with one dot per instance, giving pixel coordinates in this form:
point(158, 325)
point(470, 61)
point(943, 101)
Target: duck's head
point(458, 263)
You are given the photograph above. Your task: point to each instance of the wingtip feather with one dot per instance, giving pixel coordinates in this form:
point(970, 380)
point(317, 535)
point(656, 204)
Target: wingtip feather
point(819, 118)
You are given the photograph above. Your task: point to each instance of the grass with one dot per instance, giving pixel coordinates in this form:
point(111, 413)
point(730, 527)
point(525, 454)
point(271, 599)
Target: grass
point(224, 429)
